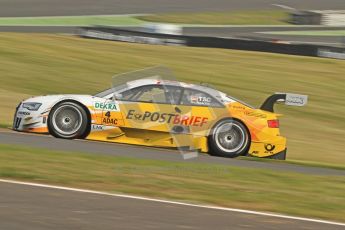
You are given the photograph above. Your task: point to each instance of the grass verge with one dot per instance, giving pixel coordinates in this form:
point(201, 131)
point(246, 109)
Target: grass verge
point(297, 162)
point(71, 21)
point(36, 64)
point(5, 125)
point(258, 17)
point(309, 33)
point(267, 17)
point(295, 194)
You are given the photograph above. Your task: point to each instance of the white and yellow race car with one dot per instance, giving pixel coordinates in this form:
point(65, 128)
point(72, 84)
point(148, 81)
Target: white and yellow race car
point(162, 113)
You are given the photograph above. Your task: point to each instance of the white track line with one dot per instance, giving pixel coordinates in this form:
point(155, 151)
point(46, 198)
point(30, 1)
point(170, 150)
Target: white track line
point(173, 202)
point(77, 16)
point(66, 25)
point(285, 7)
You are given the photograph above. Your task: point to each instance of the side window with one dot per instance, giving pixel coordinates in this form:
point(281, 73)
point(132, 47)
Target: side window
point(152, 93)
point(172, 94)
point(128, 95)
point(198, 98)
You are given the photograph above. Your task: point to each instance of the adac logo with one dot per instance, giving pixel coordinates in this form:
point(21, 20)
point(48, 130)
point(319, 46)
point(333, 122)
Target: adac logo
point(109, 121)
point(270, 147)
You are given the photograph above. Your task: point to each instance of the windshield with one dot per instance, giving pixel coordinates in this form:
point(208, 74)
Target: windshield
point(108, 91)
point(123, 80)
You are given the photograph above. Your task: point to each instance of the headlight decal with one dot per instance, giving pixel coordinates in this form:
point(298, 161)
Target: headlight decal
point(32, 106)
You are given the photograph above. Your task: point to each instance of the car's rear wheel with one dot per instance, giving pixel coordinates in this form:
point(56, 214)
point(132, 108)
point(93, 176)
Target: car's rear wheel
point(229, 138)
point(68, 120)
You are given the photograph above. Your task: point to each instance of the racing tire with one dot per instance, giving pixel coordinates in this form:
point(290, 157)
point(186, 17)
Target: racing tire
point(229, 138)
point(68, 120)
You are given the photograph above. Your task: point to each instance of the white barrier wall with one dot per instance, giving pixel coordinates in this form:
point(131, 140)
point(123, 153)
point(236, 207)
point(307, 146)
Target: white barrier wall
point(319, 17)
point(333, 19)
point(161, 28)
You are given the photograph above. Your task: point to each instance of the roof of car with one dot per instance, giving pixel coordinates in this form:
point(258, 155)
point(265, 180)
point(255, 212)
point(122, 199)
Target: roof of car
point(220, 96)
point(202, 88)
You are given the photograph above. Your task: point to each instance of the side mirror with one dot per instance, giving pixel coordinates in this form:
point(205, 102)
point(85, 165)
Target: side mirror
point(177, 110)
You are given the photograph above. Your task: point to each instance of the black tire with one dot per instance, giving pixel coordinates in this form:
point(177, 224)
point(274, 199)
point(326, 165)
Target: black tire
point(229, 138)
point(68, 120)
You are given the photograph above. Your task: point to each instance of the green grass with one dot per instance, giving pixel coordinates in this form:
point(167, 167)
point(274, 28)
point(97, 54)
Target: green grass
point(71, 21)
point(295, 194)
point(296, 162)
point(36, 64)
point(5, 125)
point(258, 17)
point(268, 17)
point(310, 33)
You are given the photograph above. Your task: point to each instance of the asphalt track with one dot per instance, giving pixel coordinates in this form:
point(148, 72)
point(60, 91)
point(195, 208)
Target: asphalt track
point(114, 149)
point(21, 8)
point(257, 33)
point(34, 208)
point(31, 8)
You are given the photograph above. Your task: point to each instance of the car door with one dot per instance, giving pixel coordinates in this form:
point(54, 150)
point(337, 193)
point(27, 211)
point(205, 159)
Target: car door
point(149, 107)
point(163, 108)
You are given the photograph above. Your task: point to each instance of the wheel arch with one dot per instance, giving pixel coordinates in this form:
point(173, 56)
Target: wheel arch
point(87, 110)
point(226, 118)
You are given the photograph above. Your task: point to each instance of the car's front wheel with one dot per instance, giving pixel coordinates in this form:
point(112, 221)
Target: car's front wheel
point(68, 120)
point(229, 138)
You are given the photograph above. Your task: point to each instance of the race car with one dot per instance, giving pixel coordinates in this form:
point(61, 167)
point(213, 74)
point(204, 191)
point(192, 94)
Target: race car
point(162, 113)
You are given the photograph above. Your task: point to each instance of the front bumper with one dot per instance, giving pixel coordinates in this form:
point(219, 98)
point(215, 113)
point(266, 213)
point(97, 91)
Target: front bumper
point(29, 121)
point(16, 120)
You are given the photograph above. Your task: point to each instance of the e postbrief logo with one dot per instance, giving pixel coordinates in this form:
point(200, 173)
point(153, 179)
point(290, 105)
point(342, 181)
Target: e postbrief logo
point(169, 118)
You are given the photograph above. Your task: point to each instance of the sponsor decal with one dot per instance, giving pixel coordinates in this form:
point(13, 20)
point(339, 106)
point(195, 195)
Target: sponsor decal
point(238, 107)
point(255, 114)
point(269, 148)
point(109, 121)
point(23, 113)
point(255, 152)
point(296, 99)
point(97, 127)
point(109, 106)
point(133, 38)
point(194, 99)
point(167, 118)
point(200, 100)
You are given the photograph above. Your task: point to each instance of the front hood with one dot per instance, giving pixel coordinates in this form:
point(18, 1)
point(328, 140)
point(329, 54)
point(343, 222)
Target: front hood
point(49, 101)
point(57, 97)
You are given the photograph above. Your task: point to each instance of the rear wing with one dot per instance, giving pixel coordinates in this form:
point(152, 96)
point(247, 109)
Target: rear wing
point(286, 98)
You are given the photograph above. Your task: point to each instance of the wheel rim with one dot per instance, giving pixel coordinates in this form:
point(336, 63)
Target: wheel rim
point(67, 120)
point(230, 137)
